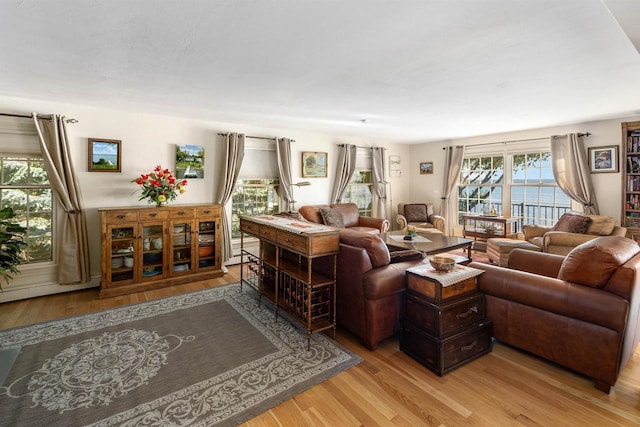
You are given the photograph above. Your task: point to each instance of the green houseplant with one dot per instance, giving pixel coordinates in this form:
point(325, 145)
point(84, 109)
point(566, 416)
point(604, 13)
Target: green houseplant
point(11, 241)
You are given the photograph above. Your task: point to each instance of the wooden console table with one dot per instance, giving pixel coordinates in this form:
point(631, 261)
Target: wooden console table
point(295, 268)
point(483, 227)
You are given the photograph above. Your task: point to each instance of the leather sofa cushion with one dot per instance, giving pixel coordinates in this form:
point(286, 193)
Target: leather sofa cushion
point(601, 225)
point(332, 217)
point(592, 263)
point(572, 223)
point(416, 212)
point(372, 243)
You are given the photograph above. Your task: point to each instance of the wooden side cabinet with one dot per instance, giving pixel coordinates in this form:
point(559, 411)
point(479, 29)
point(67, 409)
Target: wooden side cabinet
point(150, 247)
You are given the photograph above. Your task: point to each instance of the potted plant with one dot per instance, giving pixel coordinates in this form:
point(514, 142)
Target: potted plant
point(11, 241)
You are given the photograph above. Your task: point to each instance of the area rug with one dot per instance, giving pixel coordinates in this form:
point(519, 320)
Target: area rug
point(206, 358)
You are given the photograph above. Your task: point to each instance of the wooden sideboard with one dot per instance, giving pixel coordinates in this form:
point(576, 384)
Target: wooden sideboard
point(295, 268)
point(150, 247)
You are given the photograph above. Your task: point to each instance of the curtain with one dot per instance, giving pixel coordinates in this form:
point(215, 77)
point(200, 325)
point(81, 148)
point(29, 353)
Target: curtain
point(283, 153)
point(345, 167)
point(379, 181)
point(73, 241)
point(571, 170)
point(234, 153)
point(452, 166)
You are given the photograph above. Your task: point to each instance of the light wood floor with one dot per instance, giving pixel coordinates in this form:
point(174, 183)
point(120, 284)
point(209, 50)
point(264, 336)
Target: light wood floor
point(504, 388)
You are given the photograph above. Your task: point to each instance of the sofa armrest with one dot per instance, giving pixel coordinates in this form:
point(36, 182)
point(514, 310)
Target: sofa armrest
point(554, 295)
point(381, 224)
point(402, 221)
point(437, 221)
point(531, 231)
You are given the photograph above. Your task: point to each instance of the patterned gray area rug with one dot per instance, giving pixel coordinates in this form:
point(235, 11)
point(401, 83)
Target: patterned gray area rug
point(206, 358)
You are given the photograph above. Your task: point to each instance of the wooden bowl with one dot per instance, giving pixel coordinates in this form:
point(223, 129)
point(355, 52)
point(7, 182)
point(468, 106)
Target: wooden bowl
point(442, 264)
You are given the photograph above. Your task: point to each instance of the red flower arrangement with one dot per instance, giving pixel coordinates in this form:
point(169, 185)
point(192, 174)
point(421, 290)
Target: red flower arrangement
point(159, 186)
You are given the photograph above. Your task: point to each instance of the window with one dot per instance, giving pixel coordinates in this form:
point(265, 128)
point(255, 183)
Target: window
point(253, 197)
point(480, 188)
point(535, 196)
point(529, 192)
point(24, 186)
point(360, 191)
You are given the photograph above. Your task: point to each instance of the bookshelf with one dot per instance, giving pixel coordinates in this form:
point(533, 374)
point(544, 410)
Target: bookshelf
point(631, 179)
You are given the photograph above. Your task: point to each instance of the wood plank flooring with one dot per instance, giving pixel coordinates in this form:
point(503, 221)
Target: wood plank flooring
point(504, 388)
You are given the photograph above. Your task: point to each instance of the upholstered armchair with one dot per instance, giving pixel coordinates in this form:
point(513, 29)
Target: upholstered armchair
point(420, 215)
point(580, 311)
point(571, 230)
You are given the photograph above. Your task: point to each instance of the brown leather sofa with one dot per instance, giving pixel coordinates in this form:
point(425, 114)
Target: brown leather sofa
point(370, 286)
point(580, 311)
point(347, 215)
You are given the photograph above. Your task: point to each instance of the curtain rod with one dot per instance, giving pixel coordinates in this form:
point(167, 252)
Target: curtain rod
point(357, 146)
point(255, 137)
point(24, 116)
point(518, 140)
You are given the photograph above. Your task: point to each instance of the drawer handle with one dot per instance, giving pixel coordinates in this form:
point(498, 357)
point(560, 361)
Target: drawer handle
point(468, 346)
point(181, 213)
point(458, 286)
point(472, 310)
point(207, 211)
point(153, 214)
point(122, 216)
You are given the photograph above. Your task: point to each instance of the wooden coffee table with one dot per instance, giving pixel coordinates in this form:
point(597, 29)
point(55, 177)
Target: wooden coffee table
point(429, 243)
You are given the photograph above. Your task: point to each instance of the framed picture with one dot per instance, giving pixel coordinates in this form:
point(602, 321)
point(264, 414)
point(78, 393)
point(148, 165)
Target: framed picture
point(603, 159)
point(189, 161)
point(394, 166)
point(314, 164)
point(104, 155)
point(426, 167)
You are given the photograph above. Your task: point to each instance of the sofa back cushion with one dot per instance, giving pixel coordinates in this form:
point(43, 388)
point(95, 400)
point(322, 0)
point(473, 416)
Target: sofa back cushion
point(349, 212)
point(594, 262)
point(572, 222)
point(372, 243)
point(601, 225)
point(418, 212)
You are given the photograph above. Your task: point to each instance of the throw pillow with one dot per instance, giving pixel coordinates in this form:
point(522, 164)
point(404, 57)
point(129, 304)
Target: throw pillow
point(332, 217)
point(572, 223)
point(601, 225)
point(416, 213)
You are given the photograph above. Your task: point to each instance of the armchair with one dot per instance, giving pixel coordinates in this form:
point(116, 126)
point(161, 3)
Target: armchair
point(420, 215)
point(580, 311)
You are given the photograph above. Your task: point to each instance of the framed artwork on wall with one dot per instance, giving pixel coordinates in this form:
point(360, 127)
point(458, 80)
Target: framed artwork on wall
point(426, 167)
point(104, 155)
point(394, 166)
point(314, 164)
point(603, 159)
point(189, 162)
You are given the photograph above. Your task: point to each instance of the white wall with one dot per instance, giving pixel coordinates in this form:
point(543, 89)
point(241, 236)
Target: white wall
point(149, 140)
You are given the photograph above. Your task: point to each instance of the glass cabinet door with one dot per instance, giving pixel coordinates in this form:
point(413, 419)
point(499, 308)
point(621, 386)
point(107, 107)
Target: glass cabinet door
point(181, 247)
point(152, 250)
point(206, 244)
point(121, 265)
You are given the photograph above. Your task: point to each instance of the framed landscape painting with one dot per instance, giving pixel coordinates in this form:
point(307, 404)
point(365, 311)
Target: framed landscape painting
point(189, 162)
point(603, 159)
point(314, 164)
point(104, 155)
point(426, 167)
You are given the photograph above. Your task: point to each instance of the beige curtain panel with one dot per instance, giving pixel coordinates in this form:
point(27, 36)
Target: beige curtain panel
point(283, 153)
point(73, 243)
point(344, 170)
point(379, 180)
point(234, 153)
point(571, 170)
point(452, 166)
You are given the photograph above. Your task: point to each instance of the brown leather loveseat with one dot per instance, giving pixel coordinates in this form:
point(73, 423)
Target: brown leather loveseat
point(580, 311)
point(370, 286)
point(343, 215)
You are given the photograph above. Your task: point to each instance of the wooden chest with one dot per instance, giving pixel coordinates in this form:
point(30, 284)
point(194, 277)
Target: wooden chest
point(444, 319)
point(442, 355)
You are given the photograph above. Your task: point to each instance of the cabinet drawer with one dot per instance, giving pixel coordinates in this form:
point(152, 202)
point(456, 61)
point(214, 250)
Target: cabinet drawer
point(182, 213)
point(249, 228)
point(447, 318)
point(444, 355)
point(433, 291)
point(148, 215)
point(209, 212)
point(292, 241)
point(267, 233)
point(117, 217)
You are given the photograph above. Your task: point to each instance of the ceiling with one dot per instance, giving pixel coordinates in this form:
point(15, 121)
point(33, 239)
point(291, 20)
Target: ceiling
point(410, 71)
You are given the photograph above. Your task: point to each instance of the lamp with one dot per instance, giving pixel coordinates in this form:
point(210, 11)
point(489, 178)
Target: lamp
point(292, 202)
point(389, 213)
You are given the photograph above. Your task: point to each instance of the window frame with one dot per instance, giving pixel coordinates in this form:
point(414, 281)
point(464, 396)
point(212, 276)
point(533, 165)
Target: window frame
point(235, 223)
point(354, 184)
